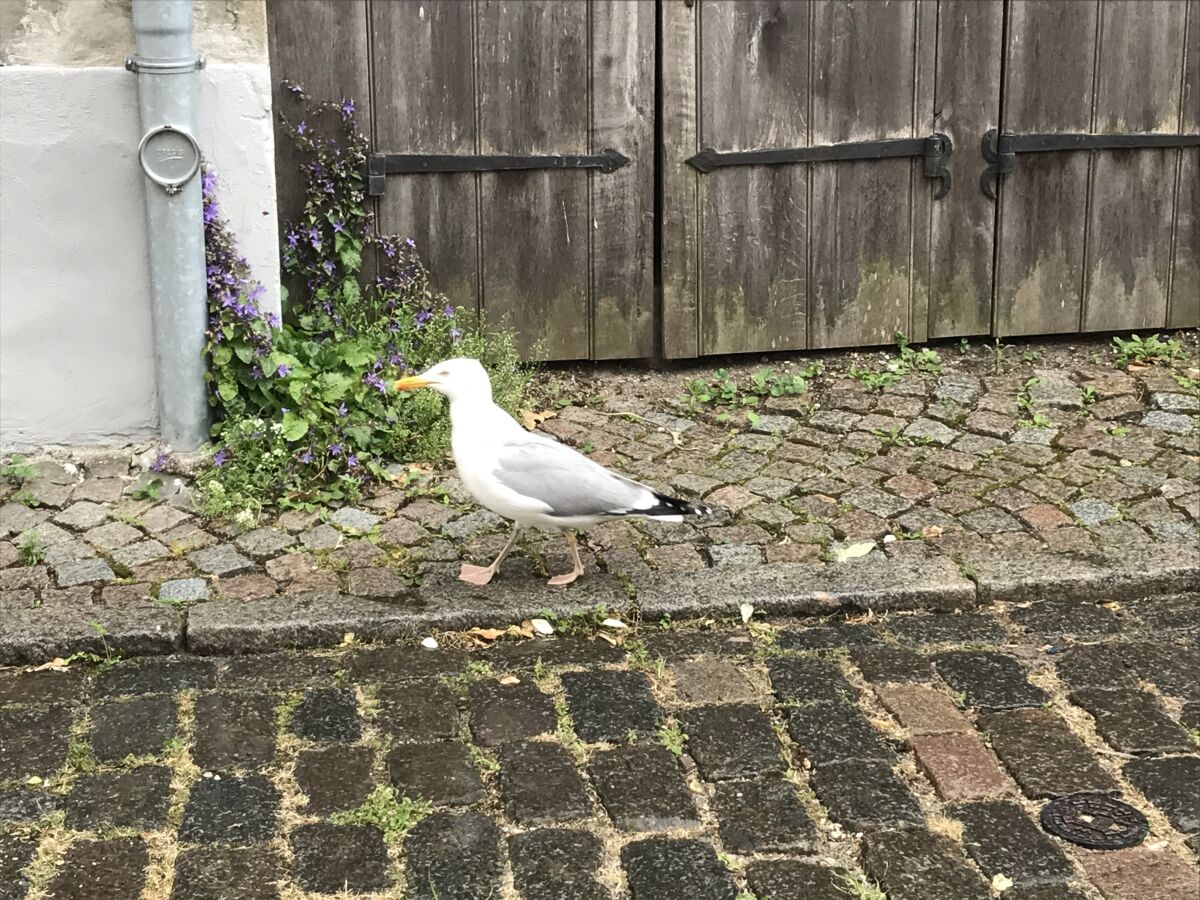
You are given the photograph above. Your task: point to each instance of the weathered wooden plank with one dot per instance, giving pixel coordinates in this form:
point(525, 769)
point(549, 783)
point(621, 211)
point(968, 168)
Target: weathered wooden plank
point(622, 222)
point(1132, 205)
point(1043, 205)
point(1184, 303)
point(754, 243)
point(322, 45)
point(532, 75)
point(966, 104)
point(679, 210)
point(921, 189)
point(862, 89)
point(425, 103)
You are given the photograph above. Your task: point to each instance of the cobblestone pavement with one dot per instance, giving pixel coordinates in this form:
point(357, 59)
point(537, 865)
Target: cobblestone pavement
point(794, 759)
point(1060, 476)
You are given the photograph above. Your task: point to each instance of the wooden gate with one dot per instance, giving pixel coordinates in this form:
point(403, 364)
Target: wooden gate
point(828, 172)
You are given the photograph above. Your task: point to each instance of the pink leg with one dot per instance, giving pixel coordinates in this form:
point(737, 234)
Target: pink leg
point(577, 570)
point(481, 575)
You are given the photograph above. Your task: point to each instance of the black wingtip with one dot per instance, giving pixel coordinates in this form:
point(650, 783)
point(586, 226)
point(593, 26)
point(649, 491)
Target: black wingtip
point(673, 506)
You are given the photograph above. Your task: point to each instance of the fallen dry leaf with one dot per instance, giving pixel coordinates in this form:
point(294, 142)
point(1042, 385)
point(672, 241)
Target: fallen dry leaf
point(931, 531)
point(613, 623)
point(854, 551)
point(510, 679)
point(1001, 882)
point(429, 643)
point(541, 626)
point(608, 637)
point(747, 610)
point(488, 634)
point(532, 420)
point(58, 664)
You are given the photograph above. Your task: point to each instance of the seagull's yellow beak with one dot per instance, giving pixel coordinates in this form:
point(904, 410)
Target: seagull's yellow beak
point(411, 383)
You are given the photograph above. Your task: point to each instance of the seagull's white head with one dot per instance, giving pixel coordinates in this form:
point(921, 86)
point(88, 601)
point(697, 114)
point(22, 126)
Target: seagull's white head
point(459, 379)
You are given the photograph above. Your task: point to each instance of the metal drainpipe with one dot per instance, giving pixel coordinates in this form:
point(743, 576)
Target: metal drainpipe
point(168, 87)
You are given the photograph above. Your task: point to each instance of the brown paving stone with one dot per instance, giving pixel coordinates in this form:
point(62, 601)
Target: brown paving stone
point(1043, 517)
point(911, 487)
point(1138, 873)
point(959, 766)
point(793, 553)
point(922, 710)
point(246, 587)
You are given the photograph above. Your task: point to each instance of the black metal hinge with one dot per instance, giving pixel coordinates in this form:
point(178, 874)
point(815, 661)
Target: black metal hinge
point(380, 165)
point(935, 149)
point(1000, 148)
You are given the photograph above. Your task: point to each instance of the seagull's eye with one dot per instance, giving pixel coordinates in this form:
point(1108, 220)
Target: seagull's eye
point(444, 374)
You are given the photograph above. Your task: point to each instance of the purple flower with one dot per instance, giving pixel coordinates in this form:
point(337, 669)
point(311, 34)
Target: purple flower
point(410, 242)
point(208, 181)
point(282, 370)
point(375, 381)
point(221, 457)
point(352, 461)
point(293, 87)
point(293, 239)
point(256, 373)
point(210, 212)
point(328, 267)
point(342, 410)
point(160, 462)
point(302, 128)
point(339, 226)
point(422, 317)
point(347, 109)
point(258, 291)
point(396, 359)
point(306, 457)
point(448, 311)
point(335, 449)
point(273, 319)
point(456, 334)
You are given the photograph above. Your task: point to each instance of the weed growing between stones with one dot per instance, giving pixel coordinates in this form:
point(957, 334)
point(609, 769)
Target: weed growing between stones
point(858, 886)
point(907, 362)
point(30, 549)
point(392, 815)
point(1145, 351)
point(672, 737)
point(303, 401)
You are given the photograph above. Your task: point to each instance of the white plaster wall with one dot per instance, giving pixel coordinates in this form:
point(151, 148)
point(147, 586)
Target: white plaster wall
point(76, 341)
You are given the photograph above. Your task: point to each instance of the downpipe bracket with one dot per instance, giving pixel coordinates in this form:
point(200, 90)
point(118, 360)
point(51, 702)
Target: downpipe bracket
point(137, 64)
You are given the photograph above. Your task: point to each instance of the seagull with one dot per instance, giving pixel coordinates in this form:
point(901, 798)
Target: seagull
point(530, 479)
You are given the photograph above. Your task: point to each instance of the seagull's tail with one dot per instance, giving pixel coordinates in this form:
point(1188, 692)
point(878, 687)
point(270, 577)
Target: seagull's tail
point(672, 509)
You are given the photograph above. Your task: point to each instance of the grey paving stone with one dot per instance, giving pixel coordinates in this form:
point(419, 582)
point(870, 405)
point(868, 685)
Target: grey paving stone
point(328, 714)
point(762, 817)
point(34, 742)
point(1095, 665)
point(1173, 785)
point(82, 571)
point(183, 590)
point(928, 429)
point(1063, 617)
point(1169, 421)
point(1133, 721)
point(422, 711)
point(607, 705)
point(353, 519)
point(990, 520)
point(16, 852)
point(93, 869)
point(1043, 755)
point(16, 518)
point(539, 784)
point(1091, 511)
point(642, 788)
point(504, 712)
point(217, 873)
point(230, 809)
point(806, 680)
point(329, 858)
point(865, 794)
point(222, 560)
point(137, 798)
point(168, 675)
point(321, 537)
point(140, 553)
point(725, 556)
point(731, 742)
point(44, 688)
point(710, 679)
point(25, 805)
point(989, 680)
point(82, 515)
point(883, 663)
point(441, 773)
point(917, 865)
point(826, 637)
point(263, 543)
point(667, 869)
point(1003, 840)
point(133, 727)
point(876, 501)
point(967, 628)
point(835, 732)
point(553, 863)
point(480, 521)
point(334, 777)
point(794, 879)
point(1054, 389)
point(453, 857)
point(234, 731)
point(1174, 668)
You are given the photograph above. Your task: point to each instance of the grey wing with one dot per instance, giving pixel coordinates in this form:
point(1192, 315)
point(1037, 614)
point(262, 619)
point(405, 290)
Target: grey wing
point(566, 481)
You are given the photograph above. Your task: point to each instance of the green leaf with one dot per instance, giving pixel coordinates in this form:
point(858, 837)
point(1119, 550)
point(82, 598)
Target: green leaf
point(350, 291)
point(351, 258)
point(228, 390)
point(334, 386)
point(245, 353)
point(222, 355)
point(294, 426)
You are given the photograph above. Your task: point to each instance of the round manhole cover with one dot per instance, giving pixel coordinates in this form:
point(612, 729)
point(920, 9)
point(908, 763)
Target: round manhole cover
point(1095, 820)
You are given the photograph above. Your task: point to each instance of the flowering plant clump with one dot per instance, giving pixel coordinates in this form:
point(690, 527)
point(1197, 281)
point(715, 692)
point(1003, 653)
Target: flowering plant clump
point(304, 410)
